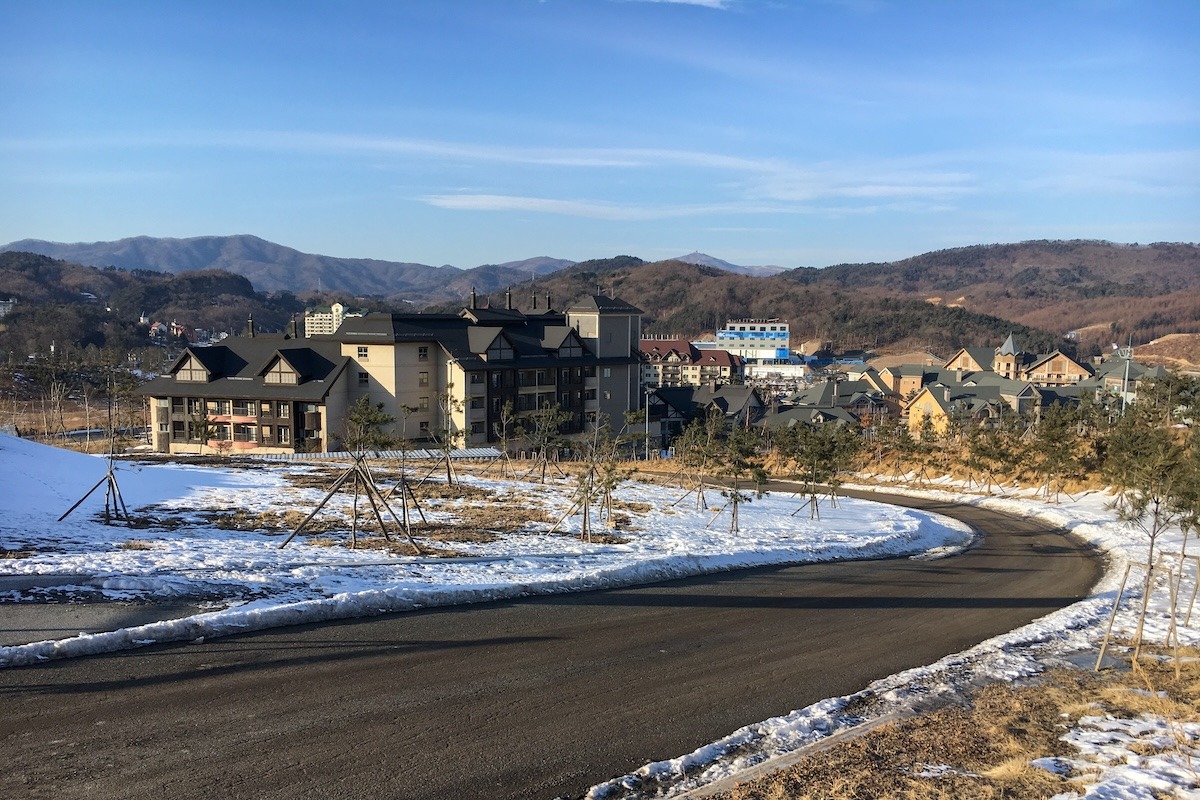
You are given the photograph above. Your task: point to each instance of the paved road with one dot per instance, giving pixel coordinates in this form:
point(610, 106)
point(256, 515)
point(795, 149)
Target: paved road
point(530, 699)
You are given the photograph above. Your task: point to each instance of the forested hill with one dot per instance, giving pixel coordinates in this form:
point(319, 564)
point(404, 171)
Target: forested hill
point(942, 300)
point(683, 299)
point(73, 304)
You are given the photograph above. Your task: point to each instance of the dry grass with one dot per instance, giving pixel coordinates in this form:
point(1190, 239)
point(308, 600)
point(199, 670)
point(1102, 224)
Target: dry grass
point(982, 751)
point(6, 553)
point(276, 521)
point(503, 517)
point(136, 544)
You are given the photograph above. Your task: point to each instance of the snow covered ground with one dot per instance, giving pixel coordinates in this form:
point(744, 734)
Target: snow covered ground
point(250, 583)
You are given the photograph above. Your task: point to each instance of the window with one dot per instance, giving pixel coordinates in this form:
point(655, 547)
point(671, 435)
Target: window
point(423, 353)
point(264, 409)
point(363, 379)
point(285, 411)
point(285, 435)
point(424, 427)
point(476, 402)
point(362, 353)
point(176, 405)
point(478, 427)
point(607, 372)
point(266, 433)
point(422, 379)
point(243, 409)
point(477, 377)
point(179, 431)
point(423, 404)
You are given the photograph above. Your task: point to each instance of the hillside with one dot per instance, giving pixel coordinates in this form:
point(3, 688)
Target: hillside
point(684, 299)
point(74, 305)
point(939, 300)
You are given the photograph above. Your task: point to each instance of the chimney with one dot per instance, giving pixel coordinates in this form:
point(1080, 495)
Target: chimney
point(508, 299)
point(473, 297)
point(250, 326)
point(293, 331)
point(533, 297)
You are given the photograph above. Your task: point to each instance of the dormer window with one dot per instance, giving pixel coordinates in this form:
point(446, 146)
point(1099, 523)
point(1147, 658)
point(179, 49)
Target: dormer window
point(500, 349)
point(280, 372)
point(192, 372)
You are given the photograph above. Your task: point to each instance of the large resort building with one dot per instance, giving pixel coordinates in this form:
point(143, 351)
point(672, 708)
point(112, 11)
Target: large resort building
point(434, 373)
point(758, 341)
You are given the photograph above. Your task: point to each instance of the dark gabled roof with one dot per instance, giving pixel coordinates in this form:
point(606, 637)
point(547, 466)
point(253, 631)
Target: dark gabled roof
point(218, 360)
point(554, 336)
point(664, 347)
point(718, 358)
point(237, 363)
point(480, 338)
point(980, 355)
point(309, 363)
point(493, 316)
point(598, 302)
point(1009, 348)
point(809, 416)
point(1115, 367)
point(466, 336)
point(692, 401)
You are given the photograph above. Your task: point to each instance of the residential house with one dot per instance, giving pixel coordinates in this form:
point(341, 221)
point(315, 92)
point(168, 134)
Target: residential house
point(678, 407)
point(982, 397)
point(1009, 361)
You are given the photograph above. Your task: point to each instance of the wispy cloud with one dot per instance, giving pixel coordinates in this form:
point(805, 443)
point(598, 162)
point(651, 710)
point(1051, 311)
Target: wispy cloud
point(579, 208)
point(717, 4)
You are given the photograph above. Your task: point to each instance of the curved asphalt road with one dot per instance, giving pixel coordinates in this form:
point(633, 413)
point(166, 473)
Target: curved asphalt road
point(534, 699)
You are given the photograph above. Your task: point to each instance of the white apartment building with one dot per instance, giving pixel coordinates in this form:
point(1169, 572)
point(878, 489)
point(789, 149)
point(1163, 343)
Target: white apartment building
point(759, 341)
point(325, 320)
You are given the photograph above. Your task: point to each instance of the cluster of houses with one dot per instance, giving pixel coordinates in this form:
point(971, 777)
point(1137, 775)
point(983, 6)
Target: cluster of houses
point(468, 376)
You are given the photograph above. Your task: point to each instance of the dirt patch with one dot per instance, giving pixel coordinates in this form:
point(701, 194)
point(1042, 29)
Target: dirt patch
point(983, 750)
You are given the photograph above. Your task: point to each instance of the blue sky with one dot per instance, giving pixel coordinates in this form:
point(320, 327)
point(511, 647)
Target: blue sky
point(800, 133)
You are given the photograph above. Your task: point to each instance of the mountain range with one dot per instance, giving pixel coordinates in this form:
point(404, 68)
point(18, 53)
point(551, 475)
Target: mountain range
point(274, 267)
point(1097, 291)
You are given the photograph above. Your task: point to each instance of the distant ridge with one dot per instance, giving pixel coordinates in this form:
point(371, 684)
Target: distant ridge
point(705, 260)
point(273, 267)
